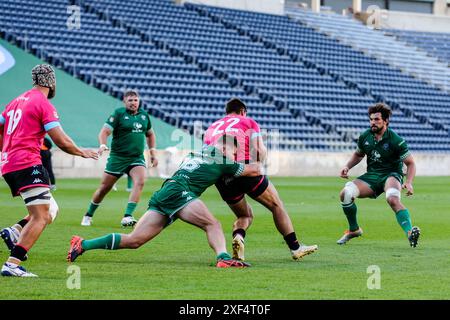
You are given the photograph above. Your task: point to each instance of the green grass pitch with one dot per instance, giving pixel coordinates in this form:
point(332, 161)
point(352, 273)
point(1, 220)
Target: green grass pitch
point(178, 264)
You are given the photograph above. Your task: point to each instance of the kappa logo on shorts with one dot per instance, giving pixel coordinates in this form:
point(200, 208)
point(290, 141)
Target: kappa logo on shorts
point(35, 172)
point(37, 180)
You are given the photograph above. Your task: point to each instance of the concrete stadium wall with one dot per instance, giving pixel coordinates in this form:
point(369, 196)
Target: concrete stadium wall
point(415, 21)
point(265, 6)
point(278, 164)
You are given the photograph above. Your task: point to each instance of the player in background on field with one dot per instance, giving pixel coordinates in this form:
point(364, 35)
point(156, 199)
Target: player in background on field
point(130, 127)
point(386, 153)
point(46, 157)
point(233, 190)
point(23, 125)
point(179, 198)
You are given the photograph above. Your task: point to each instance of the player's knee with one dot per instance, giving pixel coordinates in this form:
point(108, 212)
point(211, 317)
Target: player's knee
point(393, 195)
point(40, 196)
point(349, 193)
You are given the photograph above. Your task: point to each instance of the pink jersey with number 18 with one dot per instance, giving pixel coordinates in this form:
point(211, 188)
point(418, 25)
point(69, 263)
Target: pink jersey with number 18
point(26, 120)
point(243, 128)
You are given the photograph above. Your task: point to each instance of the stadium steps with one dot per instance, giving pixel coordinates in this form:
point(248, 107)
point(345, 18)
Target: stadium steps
point(282, 51)
point(388, 50)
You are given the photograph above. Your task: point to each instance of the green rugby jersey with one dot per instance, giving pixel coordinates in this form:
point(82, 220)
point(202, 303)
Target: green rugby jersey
point(128, 132)
point(198, 171)
point(386, 155)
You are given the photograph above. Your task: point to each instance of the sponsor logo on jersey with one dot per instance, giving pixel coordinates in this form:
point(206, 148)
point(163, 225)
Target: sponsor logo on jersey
point(375, 156)
point(143, 117)
point(126, 117)
point(386, 146)
point(55, 114)
point(137, 127)
point(111, 119)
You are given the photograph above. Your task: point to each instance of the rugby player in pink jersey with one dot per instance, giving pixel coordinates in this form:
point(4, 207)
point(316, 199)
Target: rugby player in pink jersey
point(23, 125)
point(233, 190)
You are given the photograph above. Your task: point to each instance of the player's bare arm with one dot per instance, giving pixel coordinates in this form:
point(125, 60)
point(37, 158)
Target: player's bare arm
point(410, 174)
point(151, 143)
point(252, 170)
point(105, 132)
point(66, 144)
point(259, 149)
point(354, 160)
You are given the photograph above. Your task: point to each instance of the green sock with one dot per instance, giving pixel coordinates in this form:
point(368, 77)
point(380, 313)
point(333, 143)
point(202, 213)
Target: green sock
point(224, 256)
point(404, 220)
point(110, 242)
point(350, 212)
point(131, 206)
point(129, 183)
point(92, 208)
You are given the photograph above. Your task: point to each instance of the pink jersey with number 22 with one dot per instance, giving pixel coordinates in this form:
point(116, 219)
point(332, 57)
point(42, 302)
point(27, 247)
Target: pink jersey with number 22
point(243, 128)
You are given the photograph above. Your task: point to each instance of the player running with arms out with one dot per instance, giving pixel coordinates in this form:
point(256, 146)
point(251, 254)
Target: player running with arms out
point(179, 198)
point(386, 153)
point(23, 125)
point(131, 129)
point(233, 190)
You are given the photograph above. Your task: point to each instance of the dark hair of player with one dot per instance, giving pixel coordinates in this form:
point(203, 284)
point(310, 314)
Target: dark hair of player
point(235, 105)
point(130, 93)
point(382, 108)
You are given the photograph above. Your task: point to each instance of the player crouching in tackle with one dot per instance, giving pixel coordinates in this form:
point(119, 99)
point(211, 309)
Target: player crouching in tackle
point(233, 190)
point(178, 198)
point(386, 152)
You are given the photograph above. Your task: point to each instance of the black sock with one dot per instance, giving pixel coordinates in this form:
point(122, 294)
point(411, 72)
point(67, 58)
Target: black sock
point(22, 222)
point(239, 231)
point(18, 252)
point(292, 242)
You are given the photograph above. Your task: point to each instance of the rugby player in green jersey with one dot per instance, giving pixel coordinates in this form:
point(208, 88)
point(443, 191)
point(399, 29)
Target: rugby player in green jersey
point(131, 129)
point(179, 198)
point(386, 153)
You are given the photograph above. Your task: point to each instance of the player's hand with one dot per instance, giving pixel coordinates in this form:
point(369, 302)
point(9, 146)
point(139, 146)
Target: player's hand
point(344, 172)
point(153, 162)
point(102, 148)
point(409, 189)
point(89, 154)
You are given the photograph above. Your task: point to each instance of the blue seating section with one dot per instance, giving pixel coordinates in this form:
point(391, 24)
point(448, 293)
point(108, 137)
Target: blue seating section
point(435, 43)
point(187, 61)
point(388, 50)
point(422, 107)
